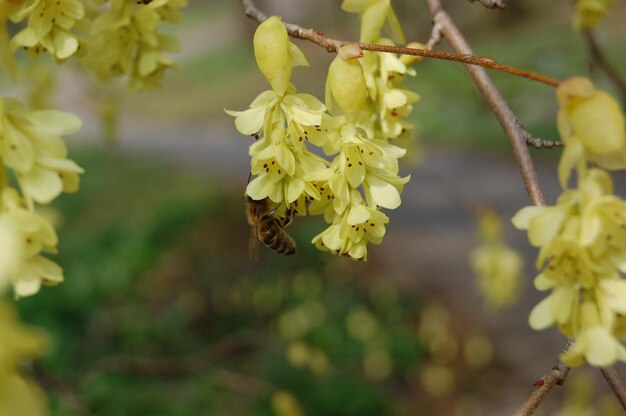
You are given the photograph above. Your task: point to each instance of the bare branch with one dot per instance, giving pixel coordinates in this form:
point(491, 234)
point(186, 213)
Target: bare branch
point(516, 134)
point(598, 57)
point(331, 45)
point(615, 381)
point(556, 376)
point(539, 143)
point(492, 4)
point(435, 36)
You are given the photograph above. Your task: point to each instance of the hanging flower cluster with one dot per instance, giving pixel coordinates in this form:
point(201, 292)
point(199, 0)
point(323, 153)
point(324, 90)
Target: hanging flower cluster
point(18, 345)
point(124, 41)
point(583, 237)
point(49, 26)
point(589, 13)
point(366, 109)
point(120, 38)
point(30, 147)
point(497, 266)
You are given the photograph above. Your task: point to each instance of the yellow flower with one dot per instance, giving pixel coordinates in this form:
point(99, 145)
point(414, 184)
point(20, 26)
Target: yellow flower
point(31, 147)
point(29, 235)
point(49, 24)
point(592, 126)
point(124, 41)
point(589, 13)
point(352, 231)
point(18, 344)
point(374, 13)
point(497, 267)
point(595, 344)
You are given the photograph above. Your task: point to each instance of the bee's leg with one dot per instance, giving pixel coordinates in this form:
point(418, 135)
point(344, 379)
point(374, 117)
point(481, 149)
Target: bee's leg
point(286, 220)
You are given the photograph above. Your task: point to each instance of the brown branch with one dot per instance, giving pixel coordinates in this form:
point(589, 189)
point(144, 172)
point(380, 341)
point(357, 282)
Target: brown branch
point(556, 376)
point(539, 143)
point(542, 144)
point(492, 4)
point(615, 381)
point(331, 45)
point(516, 134)
point(597, 56)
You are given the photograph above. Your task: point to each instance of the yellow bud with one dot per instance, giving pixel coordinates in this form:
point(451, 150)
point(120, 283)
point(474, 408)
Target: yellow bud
point(271, 50)
point(409, 59)
point(572, 88)
point(598, 121)
point(346, 85)
point(350, 51)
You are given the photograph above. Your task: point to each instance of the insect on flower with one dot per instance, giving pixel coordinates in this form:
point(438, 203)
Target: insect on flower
point(268, 228)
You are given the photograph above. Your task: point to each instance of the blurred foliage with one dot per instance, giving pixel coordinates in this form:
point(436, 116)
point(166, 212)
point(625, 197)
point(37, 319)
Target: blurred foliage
point(162, 313)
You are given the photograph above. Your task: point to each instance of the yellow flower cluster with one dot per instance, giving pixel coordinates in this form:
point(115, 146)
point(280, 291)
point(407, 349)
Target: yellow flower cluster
point(121, 38)
point(366, 106)
point(589, 13)
point(124, 41)
point(49, 26)
point(31, 148)
point(497, 267)
point(18, 344)
point(583, 237)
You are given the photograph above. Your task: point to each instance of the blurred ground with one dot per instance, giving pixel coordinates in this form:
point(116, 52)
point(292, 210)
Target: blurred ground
point(160, 235)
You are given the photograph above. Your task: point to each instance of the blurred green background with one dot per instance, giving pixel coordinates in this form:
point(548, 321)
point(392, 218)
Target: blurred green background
point(162, 313)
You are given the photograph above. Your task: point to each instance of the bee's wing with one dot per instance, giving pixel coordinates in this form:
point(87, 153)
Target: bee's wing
point(253, 244)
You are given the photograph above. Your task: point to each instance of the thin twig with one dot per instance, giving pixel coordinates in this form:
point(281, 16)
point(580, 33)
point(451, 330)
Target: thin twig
point(556, 376)
point(435, 37)
point(331, 45)
point(538, 143)
point(615, 381)
point(598, 57)
point(513, 130)
point(542, 144)
point(492, 4)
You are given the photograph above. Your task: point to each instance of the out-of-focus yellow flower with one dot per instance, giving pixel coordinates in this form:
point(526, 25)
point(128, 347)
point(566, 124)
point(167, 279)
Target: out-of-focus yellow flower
point(589, 13)
point(49, 26)
point(18, 344)
point(374, 13)
point(497, 267)
point(286, 404)
point(124, 41)
point(31, 146)
point(24, 236)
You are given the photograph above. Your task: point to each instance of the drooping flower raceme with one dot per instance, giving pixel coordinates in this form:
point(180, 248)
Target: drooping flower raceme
point(582, 239)
point(497, 267)
point(49, 26)
point(362, 176)
point(286, 122)
point(18, 345)
point(124, 41)
point(31, 148)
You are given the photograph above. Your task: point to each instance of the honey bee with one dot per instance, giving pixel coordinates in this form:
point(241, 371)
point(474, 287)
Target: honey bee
point(268, 228)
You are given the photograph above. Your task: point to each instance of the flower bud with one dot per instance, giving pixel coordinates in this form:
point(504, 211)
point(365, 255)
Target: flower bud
point(346, 85)
point(271, 50)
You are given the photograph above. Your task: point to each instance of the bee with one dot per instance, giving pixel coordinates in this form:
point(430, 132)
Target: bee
point(268, 228)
